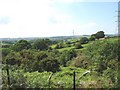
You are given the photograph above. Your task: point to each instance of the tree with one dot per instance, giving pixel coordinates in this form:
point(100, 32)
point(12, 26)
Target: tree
point(92, 38)
point(20, 45)
point(5, 52)
point(67, 56)
point(41, 55)
point(49, 65)
point(13, 59)
point(80, 61)
point(100, 34)
point(78, 46)
point(84, 40)
point(40, 44)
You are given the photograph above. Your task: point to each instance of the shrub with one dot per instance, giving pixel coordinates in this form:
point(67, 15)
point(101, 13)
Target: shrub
point(79, 61)
point(78, 46)
point(59, 46)
point(40, 44)
point(49, 65)
point(84, 40)
point(92, 38)
point(20, 45)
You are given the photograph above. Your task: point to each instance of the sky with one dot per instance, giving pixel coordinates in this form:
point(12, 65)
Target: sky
point(46, 18)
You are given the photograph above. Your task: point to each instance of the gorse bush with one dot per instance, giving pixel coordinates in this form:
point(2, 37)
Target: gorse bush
point(80, 61)
point(66, 56)
point(78, 46)
point(102, 53)
point(84, 40)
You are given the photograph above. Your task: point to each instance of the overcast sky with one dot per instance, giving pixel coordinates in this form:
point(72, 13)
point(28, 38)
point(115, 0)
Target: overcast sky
point(44, 18)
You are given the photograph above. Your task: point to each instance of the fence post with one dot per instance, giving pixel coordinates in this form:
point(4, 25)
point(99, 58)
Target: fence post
point(8, 76)
point(74, 80)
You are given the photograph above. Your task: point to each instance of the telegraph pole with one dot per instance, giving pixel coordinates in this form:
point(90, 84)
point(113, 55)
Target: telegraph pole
point(118, 22)
point(118, 18)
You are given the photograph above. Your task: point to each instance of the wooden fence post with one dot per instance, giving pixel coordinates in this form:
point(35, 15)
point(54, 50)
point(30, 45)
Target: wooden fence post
point(74, 80)
point(8, 76)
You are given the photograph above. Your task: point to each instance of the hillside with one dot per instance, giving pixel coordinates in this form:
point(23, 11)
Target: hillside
point(95, 64)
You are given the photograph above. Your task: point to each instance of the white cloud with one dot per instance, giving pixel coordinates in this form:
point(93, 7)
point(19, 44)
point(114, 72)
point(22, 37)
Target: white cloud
point(35, 18)
point(29, 18)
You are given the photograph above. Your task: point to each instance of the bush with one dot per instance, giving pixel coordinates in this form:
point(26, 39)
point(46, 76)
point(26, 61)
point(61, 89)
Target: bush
point(17, 80)
point(5, 51)
point(80, 61)
point(20, 45)
point(78, 46)
point(67, 56)
point(49, 65)
point(92, 38)
point(59, 46)
point(100, 53)
point(40, 44)
point(84, 40)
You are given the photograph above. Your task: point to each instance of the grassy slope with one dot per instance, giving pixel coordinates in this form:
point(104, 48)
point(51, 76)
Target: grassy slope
point(65, 76)
point(86, 45)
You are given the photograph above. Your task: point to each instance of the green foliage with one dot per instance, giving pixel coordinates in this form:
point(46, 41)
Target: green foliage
point(6, 46)
point(31, 67)
point(80, 61)
point(100, 53)
point(41, 55)
point(92, 38)
point(78, 46)
point(49, 65)
point(17, 80)
point(67, 56)
point(41, 44)
point(12, 59)
point(98, 35)
point(59, 46)
point(84, 40)
point(5, 51)
point(61, 79)
point(27, 60)
point(37, 80)
point(20, 45)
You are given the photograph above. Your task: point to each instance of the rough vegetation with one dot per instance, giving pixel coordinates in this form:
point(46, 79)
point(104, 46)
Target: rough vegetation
point(44, 63)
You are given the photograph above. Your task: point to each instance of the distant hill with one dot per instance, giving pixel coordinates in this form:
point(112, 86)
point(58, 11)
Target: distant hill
point(53, 38)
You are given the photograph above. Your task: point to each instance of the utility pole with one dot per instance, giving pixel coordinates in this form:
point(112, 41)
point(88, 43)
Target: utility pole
point(119, 18)
point(118, 81)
